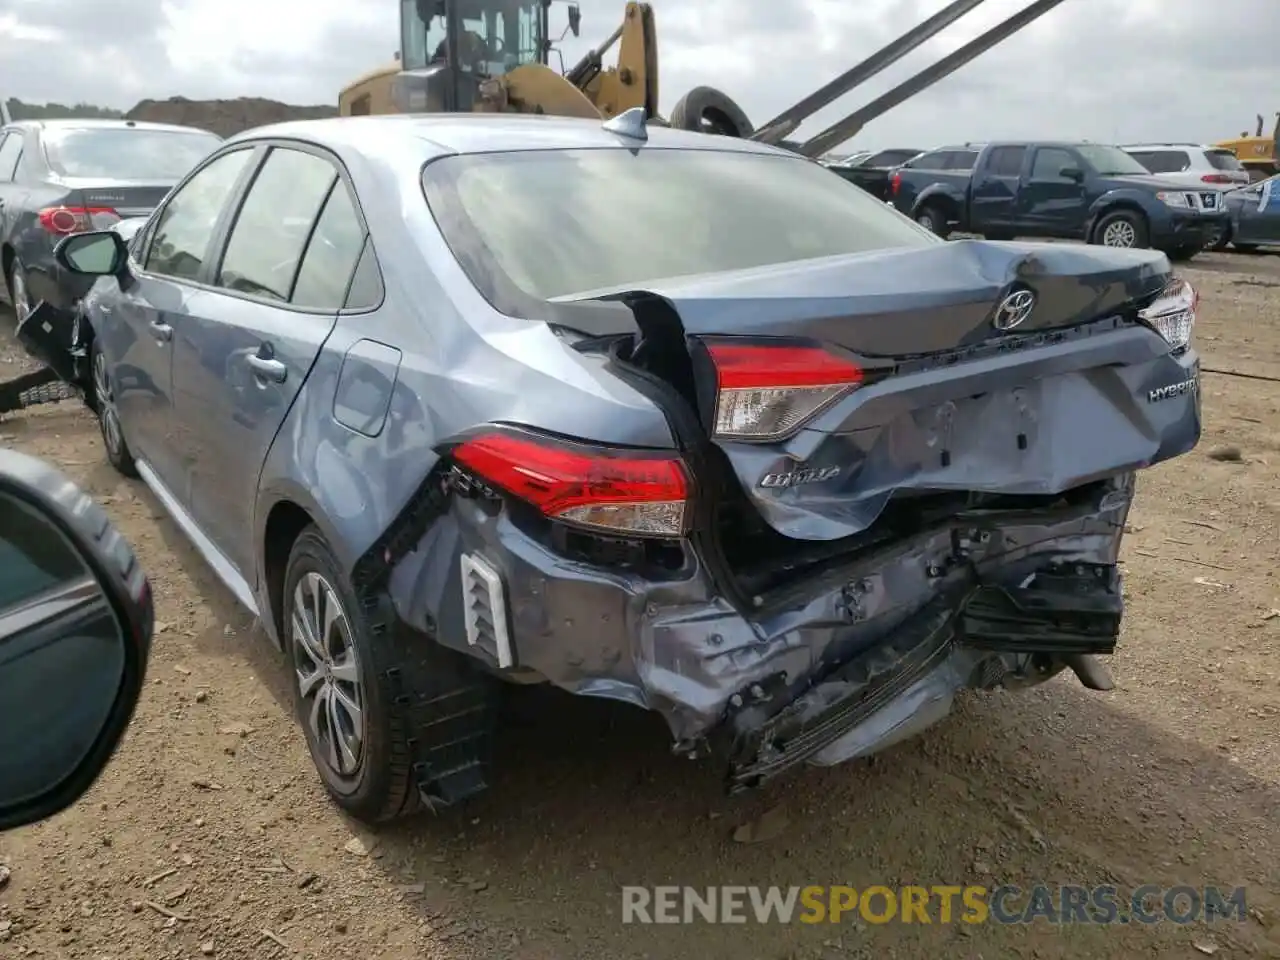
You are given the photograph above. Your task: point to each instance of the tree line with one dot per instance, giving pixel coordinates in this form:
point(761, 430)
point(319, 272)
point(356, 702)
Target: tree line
point(20, 110)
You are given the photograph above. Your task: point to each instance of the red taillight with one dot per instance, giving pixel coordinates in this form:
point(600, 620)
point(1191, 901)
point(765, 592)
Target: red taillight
point(621, 491)
point(1216, 178)
point(765, 392)
point(895, 184)
point(67, 220)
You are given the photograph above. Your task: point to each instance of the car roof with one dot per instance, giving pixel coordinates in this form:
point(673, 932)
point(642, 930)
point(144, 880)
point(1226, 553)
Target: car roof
point(98, 123)
point(485, 133)
point(1173, 146)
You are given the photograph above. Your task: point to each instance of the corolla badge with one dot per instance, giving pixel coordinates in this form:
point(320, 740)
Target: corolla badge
point(1014, 310)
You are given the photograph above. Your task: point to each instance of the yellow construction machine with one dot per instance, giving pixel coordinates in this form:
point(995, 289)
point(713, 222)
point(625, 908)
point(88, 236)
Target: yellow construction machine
point(1259, 154)
point(494, 56)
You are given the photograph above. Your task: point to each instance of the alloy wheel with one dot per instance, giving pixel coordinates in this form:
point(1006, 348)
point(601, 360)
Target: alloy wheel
point(1119, 234)
point(328, 674)
point(21, 303)
point(108, 416)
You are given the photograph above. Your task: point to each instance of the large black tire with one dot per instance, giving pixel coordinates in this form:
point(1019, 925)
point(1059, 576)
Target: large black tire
point(102, 385)
point(1128, 224)
point(934, 219)
point(708, 110)
point(417, 701)
point(1183, 253)
point(1220, 241)
point(1245, 247)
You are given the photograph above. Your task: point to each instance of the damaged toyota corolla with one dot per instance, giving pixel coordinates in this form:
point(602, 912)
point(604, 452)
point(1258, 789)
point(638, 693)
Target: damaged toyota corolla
point(676, 420)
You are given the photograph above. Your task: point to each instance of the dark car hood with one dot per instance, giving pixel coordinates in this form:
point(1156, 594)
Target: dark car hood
point(911, 301)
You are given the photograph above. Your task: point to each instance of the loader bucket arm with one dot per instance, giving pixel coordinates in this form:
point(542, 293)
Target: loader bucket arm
point(842, 130)
point(785, 123)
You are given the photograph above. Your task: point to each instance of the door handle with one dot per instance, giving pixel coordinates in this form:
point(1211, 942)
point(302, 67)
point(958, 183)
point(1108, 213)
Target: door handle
point(162, 331)
point(268, 368)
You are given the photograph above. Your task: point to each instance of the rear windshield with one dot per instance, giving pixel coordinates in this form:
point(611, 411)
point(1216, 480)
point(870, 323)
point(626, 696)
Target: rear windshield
point(559, 222)
point(161, 156)
point(1223, 160)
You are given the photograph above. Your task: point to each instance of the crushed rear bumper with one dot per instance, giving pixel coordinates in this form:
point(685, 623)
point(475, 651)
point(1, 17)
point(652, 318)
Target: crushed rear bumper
point(850, 660)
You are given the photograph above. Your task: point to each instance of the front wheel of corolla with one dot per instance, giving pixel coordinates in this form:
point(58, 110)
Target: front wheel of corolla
point(104, 405)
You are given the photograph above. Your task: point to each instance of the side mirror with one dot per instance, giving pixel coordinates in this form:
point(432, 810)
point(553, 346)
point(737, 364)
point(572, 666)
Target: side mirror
point(101, 253)
point(575, 19)
point(76, 620)
point(1072, 173)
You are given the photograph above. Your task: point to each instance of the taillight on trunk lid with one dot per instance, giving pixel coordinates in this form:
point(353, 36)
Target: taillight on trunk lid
point(767, 391)
point(64, 221)
point(623, 492)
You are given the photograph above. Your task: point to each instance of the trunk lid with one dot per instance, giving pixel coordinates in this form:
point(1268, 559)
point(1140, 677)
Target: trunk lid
point(128, 198)
point(950, 403)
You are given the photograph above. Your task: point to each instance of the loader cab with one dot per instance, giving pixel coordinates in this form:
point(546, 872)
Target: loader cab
point(448, 47)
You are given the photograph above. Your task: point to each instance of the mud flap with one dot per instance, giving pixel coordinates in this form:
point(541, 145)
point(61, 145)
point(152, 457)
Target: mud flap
point(1070, 609)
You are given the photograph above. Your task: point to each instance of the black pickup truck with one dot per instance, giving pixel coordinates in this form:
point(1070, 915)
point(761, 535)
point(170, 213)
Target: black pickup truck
point(1073, 191)
point(871, 171)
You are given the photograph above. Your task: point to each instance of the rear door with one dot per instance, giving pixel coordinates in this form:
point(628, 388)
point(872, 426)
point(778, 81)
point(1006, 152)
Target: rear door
point(1050, 204)
point(242, 356)
point(11, 194)
point(994, 197)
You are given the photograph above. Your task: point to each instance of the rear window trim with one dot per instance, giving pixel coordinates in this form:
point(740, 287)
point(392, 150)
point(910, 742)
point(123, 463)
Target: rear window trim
point(502, 293)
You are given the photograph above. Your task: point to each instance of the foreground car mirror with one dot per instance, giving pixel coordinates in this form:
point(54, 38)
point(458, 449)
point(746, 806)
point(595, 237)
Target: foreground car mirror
point(101, 253)
point(76, 619)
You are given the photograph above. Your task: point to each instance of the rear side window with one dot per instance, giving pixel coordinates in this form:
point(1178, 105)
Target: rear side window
point(184, 230)
point(274, 224)
point(560, 222)
point(888, 158)
point(937, 160)
point(1223, 160)
point(331, 254)
point(1163, 161)
point(961, 159)
point(127, 153)
point(1006, 161)
point(10, 154)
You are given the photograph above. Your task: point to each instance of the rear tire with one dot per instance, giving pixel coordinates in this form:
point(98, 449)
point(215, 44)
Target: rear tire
point(1183, 254)
point(933, 219)
point(1124, 229)
point(708, 110)
point(399, 710)
point(1220, 241)
point(102, 384)
point(1244, 247)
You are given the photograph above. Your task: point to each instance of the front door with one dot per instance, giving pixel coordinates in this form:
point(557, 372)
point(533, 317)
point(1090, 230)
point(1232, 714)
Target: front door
point(138, 325)
point(1053, 204)
point(1259, 219)
point(241, 360)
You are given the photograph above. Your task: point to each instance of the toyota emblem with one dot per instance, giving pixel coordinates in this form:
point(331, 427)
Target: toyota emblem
point(1014, 310)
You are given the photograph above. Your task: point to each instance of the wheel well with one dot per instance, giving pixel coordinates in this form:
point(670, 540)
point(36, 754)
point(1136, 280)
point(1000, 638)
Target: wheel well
point(1127, 206)
point(940, 202)
point(285, 522)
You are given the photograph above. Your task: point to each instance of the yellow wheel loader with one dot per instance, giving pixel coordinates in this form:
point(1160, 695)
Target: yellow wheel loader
point(494, 56)
point(1259, 154)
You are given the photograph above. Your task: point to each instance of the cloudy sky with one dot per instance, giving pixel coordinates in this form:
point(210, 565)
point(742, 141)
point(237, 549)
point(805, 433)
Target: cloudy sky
point(1118, 70)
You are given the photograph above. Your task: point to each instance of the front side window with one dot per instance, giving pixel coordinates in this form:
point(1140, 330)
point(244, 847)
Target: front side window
point(274, 223)
point(1050, 162)
point(184, 230)
point(561, 222)
point(127, 153)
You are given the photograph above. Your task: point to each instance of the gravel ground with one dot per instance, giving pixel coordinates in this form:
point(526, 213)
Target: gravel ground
point(209, 834)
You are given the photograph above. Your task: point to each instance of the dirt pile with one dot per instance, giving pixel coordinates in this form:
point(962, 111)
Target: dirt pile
point(225, 117)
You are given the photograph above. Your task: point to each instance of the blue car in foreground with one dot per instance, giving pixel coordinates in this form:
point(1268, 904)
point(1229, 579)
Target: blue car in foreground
point(453, 401)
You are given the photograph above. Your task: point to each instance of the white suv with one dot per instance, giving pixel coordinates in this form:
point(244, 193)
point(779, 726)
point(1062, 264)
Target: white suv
point(1191, 164)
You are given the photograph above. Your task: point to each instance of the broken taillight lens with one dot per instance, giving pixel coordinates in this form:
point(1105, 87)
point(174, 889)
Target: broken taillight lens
point(765, 392)
point(627, 492)
point(1173, 314)
point(64, 221)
